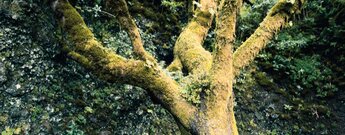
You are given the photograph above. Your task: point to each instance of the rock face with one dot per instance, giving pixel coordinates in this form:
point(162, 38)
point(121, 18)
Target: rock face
point(40, 88)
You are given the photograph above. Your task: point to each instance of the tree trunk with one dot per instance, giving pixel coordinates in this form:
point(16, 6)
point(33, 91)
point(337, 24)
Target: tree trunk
point(214, 114)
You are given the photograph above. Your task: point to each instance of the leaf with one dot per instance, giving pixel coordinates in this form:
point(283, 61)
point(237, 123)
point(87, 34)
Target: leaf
point(149, 111)
point(88, 110)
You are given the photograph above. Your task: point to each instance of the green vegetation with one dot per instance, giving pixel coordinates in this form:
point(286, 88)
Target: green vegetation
point(295, 86)
point(303, 65)
point(172, 5)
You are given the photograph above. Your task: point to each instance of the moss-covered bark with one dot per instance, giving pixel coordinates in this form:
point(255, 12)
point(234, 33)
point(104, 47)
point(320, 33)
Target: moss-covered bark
point(215, 114)
point(85, 49)
point(188, 48)
point(219, 102)
point(276, 19)
point(120, 9)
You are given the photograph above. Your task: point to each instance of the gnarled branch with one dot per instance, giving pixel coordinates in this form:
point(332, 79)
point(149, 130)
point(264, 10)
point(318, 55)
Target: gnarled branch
point(107, 65)
point(188, 50)
point(276, 19)
point(120, 10)
point(215, 114)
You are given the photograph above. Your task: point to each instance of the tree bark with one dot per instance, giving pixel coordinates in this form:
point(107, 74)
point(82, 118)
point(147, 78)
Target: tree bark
point(107, 65)
point(188, 50)
point(276, 19)
point(215, 114)
point(219, 103)
point(120, 10)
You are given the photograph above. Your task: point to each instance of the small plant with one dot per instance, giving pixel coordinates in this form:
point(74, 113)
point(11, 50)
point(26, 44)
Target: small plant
point(195, 86)
point(311, 74)
point(73, 129)
point(287, 107)
point(172, 5)
point(11, 131)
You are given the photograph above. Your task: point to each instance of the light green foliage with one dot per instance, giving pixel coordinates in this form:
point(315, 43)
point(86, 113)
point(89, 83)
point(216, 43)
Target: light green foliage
point(88, 110)
point(303, 62)
point(309, 73)
point(172, 5)
point(194, 86)
point(294, 44)
point(287, 107)
point(250, 17)
point(8, 131)
point(97, 10)
point(73, 129)
point(11, 131)
point(312, 75)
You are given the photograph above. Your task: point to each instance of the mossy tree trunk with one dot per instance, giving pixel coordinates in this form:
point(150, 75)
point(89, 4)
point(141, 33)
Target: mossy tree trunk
point(214, 114)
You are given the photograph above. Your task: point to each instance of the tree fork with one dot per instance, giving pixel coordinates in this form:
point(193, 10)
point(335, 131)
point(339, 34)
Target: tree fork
point(215, 115)
point(107, 65)
point(120, 9)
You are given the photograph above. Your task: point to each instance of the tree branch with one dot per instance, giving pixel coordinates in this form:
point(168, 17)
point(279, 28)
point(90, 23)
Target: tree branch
point(105, 64)
point(188, 50)
point(120, 10)
point(276, 19)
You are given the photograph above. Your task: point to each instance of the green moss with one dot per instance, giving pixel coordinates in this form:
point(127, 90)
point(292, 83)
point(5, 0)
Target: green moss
point(263, 80)
point(176, 65)
point(71, 18)
point(203, 18)
point(189, 50)
point(287, 7)
point(83, 60)
point(73, 23)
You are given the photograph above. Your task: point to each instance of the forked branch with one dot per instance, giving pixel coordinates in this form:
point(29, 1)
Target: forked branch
point(215, 115)
point(120, 10)
point(107, 65)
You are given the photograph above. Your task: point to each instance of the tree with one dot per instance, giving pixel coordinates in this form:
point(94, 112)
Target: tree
point(214, 114)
